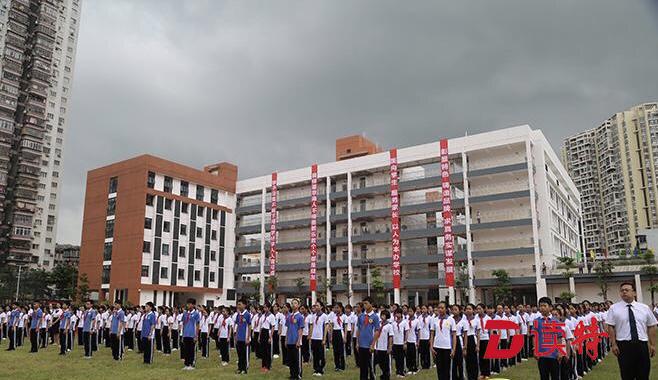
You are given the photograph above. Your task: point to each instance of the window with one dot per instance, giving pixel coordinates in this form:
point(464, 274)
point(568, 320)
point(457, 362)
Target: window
point(165, 249)
point(111, 206)
point(145, 270)
point(214, 214)
point(183, 229)
point(213, 234)
point(213, 255)
point(148, 223)
point(181, 251)
point(212, 276)
point(214, 196)
point(167, 204)
point(146, 247)
point(164, 272)
point(114, 181)
point(167, 184)
point(199, 232)
point(197, 253)
point(183, 208)
point(149, 199)
point(109, 229)
point(200, 211)
point(150, 182)
point(166, 227)
point(197, 275)
point(184, 188)
point(199, 192)
point(107, 252)
point(181, 274)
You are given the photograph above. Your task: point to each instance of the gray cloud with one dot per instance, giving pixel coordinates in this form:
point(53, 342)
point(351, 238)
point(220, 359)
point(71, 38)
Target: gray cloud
point(270, 85)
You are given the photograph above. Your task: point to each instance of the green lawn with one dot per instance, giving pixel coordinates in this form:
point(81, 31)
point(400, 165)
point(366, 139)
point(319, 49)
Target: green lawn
point(47, 365)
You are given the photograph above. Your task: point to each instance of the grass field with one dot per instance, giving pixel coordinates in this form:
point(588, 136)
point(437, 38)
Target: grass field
point(47, 364)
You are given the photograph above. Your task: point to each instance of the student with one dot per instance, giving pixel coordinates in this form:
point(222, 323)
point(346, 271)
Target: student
point(266, 338)
point(547, 363)
point(255, 330)
point(64, 328)
point(338, 336)
point(275, 331)
point(632, 329)
point(412, 342)
point(191, 325)
point(172, 324)
point(458, 359)
point(44, 327)
point(470, 327)
point(139, 318)
point(424, 322)
point(107, 323)
point(384, 343)
point(354, 321)
point(500, 364)
point(224, 328)
point(165, 333)
point(35, 323)
point(367, 324)
point(483, 339)
point(88, 328)
point(117, 327)
point(12, 326)
point(148, 332)
point(294, 330)
point(318, 333)
point(306, 346)
point(443, 334)
point(242, 337)
point(400, 327)
point(348, 330)
point(98, 332)
point(283, 331)
point(129, 336)
point(158, 328)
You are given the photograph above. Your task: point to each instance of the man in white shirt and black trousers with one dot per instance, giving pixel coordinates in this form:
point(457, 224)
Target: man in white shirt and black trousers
point(632, 330)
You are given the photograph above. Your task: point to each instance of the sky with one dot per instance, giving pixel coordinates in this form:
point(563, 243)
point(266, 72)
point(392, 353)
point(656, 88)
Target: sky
point(270, 85)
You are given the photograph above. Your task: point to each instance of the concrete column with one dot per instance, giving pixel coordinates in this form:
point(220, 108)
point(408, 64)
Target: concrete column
point(350, 270)
point(540, 282)
point(263, 234)
point(469, 243)
point(328, 236)
point(638, 287)
point(572, 288)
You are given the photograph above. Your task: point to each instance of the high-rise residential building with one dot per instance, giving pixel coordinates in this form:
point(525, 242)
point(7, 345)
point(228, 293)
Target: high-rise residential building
point(38, 39)
point(614, 167)
point(158, 231)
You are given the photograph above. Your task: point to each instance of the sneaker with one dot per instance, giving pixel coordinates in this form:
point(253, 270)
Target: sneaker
point(275, 356)
point(224, 364)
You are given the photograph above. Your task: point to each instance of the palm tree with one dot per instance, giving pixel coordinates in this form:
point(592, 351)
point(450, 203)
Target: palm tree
point(568, 263)
point(650, 270)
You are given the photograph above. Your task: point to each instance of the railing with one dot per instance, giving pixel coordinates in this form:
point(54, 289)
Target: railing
point(502, 244)
point(499, 188)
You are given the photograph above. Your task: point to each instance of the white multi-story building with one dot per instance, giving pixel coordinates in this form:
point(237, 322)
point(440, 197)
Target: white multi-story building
point(514, 208)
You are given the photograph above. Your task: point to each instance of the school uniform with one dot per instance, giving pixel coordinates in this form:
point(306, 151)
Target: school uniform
point(444, 327)
point(317, 333)
point(35, 323)
point(107, 320)
point(255, 330)
point(116, 333)
point(132, 329)
point(138, 334)
point(499, 364)
point(147, 336)
point(64, 328)
point(484, 364)
point(354, 320)
point(172, 324)
point(631, 321)
point(191, 321)
point(338, 337)
point(306, 344)
point(88, 330)
point(458, 359)
point(348, 334)
point(424, 323)
point(275, 336)
point(158, 332)
point(224, 325)
point(242, 322)
point(294, 323)
point(523, 326)
point(367, 323)
point(165, 335)
point(547, 363)
point(266, 340)
point(400, 331)
point(77, 327)
point(511, 333)
point(23, 327)
point(98, 333)
point(3, 326)
point(179, 319)
point(283, 332)
point(204, 336)
point(471, 327)
point(382, 348)
point(12, 330)
point(44, 329)
point(411, 354)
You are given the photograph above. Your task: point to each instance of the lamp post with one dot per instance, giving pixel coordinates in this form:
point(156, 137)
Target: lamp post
point(368, 262)
point(18, 283)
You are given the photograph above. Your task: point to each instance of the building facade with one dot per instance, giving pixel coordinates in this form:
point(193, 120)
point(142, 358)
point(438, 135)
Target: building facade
point(158, 231)
point(38, 40)
point(67, 254)
point(513, 207)
point(614, 168)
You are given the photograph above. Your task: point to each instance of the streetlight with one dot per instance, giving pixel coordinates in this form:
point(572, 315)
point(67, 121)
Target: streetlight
point(368, 262)
point(18, 283)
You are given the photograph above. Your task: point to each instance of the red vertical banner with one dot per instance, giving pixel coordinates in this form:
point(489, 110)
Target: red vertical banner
point(314, 227)
point(395, 219)
point(273, 218)
point(446, 212)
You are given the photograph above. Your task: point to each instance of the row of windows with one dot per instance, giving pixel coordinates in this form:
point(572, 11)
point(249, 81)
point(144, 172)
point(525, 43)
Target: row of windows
point(184, 188)
point(164, 273)
point(168, 204)
point(166, 227)
point(146, 248)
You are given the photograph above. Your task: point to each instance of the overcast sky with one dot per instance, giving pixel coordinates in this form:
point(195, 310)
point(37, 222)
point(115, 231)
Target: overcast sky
point(269, 85)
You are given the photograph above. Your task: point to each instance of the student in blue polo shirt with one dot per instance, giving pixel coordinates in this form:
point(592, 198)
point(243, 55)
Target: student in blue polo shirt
point(295, 327)
point(12, 326)
point(242, 337)
point(547, 362)
point(88, 328)
point(148, 331)
point(35, 323)
point(64, 328)
point(191, 321)
point(368, 323)
point(116, 331)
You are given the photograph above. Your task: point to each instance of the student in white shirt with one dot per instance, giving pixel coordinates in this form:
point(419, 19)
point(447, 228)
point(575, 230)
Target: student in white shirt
point(158, 328)
point(412, 341)
point(443, 334)
point(633, 343)
point(306, 342)
point(400, 328)
point(384, 344)
point(172, 322)
point(511, 316)
point(483, 338)
point(470, 327)
point(44, 329)
point(499, 364)
point(224, 328)
point(318, 332)
point(339, 323)
point(275, 332)
point(139, 317)
point(354, 319)
point(283, 332)
point(165, 335)
point(267, 323)
point(204, 332)
point(424, 323)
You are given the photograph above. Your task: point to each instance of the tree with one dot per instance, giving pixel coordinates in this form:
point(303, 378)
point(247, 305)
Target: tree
point(650, 270)
point(299, 283)
point(64, 279)
point(503, 291)
point(568, 263)
point(461, 280)
point(35, 285)
point(567, 296)
point(83, 287)
point(377, 285)
point(256, 285)
point(603, 270)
